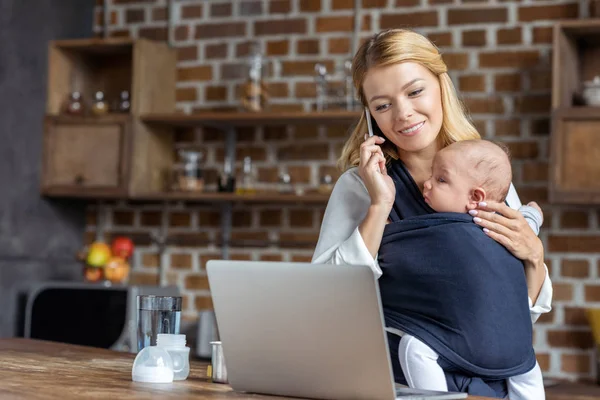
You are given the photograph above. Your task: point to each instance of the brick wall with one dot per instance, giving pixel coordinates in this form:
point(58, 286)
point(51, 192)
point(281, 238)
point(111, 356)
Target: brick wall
point(499, 56)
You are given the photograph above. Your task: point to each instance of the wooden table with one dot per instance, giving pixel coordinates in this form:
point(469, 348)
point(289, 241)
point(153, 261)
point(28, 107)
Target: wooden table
point(32, 369)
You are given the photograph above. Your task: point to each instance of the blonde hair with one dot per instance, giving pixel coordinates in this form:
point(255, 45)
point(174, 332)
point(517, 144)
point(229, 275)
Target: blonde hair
point(395, 46)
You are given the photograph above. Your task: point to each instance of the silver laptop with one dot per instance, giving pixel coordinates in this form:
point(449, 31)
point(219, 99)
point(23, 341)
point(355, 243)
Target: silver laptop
point(305, 330)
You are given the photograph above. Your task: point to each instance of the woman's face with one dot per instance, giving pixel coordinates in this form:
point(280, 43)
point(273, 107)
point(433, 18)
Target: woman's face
point(405, 100)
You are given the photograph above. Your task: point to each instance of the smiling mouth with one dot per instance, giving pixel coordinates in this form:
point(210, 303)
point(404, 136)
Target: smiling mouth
point(412, 129)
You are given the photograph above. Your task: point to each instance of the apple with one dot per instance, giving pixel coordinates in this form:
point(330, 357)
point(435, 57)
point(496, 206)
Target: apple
point(116, 270)
point(92, 274)
point(122, 247)
point(98, 254)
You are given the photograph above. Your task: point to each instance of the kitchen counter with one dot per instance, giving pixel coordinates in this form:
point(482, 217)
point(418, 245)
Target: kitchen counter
point(32, 369)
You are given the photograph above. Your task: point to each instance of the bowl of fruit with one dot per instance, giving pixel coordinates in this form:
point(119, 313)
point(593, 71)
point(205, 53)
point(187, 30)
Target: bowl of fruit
point(108, 263)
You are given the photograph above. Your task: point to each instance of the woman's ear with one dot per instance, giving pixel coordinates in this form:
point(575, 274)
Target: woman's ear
point(477, 196)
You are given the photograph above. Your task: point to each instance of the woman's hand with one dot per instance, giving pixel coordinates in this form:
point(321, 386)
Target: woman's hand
point(373, 172)
point(509, 228)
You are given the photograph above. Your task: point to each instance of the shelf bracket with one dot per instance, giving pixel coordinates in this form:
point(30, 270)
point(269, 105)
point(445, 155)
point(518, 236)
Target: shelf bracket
point(226, 211)
point(160, 240)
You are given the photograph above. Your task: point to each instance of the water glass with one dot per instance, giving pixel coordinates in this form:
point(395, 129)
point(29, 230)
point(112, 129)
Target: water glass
point(157, 314)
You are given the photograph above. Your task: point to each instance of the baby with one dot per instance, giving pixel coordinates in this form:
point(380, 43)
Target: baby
point(464, 174)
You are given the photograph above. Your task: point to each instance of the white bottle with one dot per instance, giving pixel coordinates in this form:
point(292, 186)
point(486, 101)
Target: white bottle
point(175, 345)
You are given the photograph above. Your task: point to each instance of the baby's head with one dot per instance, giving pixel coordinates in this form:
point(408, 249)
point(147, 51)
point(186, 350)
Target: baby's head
point(467, 172)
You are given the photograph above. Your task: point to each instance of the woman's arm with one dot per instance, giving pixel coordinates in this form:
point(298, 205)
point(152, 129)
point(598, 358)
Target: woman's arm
point(340, 240)
point(508, 227)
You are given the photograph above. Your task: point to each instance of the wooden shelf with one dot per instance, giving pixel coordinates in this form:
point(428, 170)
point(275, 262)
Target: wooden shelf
point(96, 45)
point(249, 119)
point(583, 112)
point(266, 197)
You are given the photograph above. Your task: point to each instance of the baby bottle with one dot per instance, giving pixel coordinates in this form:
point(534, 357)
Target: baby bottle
point(179, 352)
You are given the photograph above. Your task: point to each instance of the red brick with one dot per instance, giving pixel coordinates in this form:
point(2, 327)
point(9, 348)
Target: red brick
point(200, 73)
point(191, 11)
point(280, 27)
point(196, 282)
point(441, 39)
point(548, 12)
point(507, 127)
point(305, 90)
point(158, 34)
point(538, 103)
point(573, 243)
point(143, 278)
point(407, 3)
point(416, 19)
point(509, 36)
point(474, 38)
point(540, 80)
point(159, 14)
point(575, 268)
point(575, 316)
point(180, 219)
point(539, 126)
point(592, 293)
point(310, 5)
point(307, 68)
point(278, 47)
point(209, 218)
point(574, 220)
point(334, 24)
point(509, 59)
point(299, 174)
point(340, 4)
point(203, 303)
point(301, 218)
point(271, 257)
point(523, 149)
point(547, 318)
point(181, 261)
point(213, 51)
point(484, 105)
point(268, 174)
point(338, 45)
point(507, 82)
point(250, 7)
point(277, 90)
point(570, 339)
point(134, 15)
point(187, 53)
point(150, 218)
point(456, 61)
point(535, 172)
point(220, 10)
point(562, 291)
point(303, 152)
point(298, 240)
point(215, 93)
point(464, 16)
point(219, 30)
point(542, 34)
point(576, 363)
point(472, 83)
point(307, 46)
point(150, 260)
point(280, 6)
point(241, 219)
point(122, 218)
point(544, 361)
point(182, 33)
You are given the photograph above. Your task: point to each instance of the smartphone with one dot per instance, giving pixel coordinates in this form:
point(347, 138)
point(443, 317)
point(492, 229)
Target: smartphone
point(372, 125)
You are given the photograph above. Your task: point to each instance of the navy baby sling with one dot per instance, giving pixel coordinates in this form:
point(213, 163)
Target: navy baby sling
point(448, 284)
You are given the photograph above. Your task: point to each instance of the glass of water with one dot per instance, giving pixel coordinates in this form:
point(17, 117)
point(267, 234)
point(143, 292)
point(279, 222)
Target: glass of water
point(157, 314)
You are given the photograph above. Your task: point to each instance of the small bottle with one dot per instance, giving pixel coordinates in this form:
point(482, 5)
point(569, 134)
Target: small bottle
point(99, 107)
point(124, 103)
point(246, 184)
point(175, 345)
point(226, 180)
point(326, 185)
point(75, 104)
point(285, 184)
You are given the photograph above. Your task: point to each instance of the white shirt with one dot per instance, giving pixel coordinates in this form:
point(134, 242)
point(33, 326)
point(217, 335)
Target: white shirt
point(340, 241)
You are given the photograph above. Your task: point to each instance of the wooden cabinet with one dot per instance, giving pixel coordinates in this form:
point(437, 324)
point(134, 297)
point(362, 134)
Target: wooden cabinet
point(574, 176)
point(111, 155)
point(86, 157)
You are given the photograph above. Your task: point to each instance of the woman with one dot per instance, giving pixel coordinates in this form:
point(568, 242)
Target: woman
point(401, 77)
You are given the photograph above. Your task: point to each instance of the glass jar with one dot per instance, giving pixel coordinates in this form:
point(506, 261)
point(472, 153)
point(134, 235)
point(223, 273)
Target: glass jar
point(124, 102)
point(75, 105)
point(326, 185)
point(226, 182)
point(99, 107)
point(254, 93)
point(188, 174)
point(246, 184)
point(285, 184)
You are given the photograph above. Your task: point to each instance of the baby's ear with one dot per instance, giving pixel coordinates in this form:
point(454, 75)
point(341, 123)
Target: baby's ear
point(477, 196)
